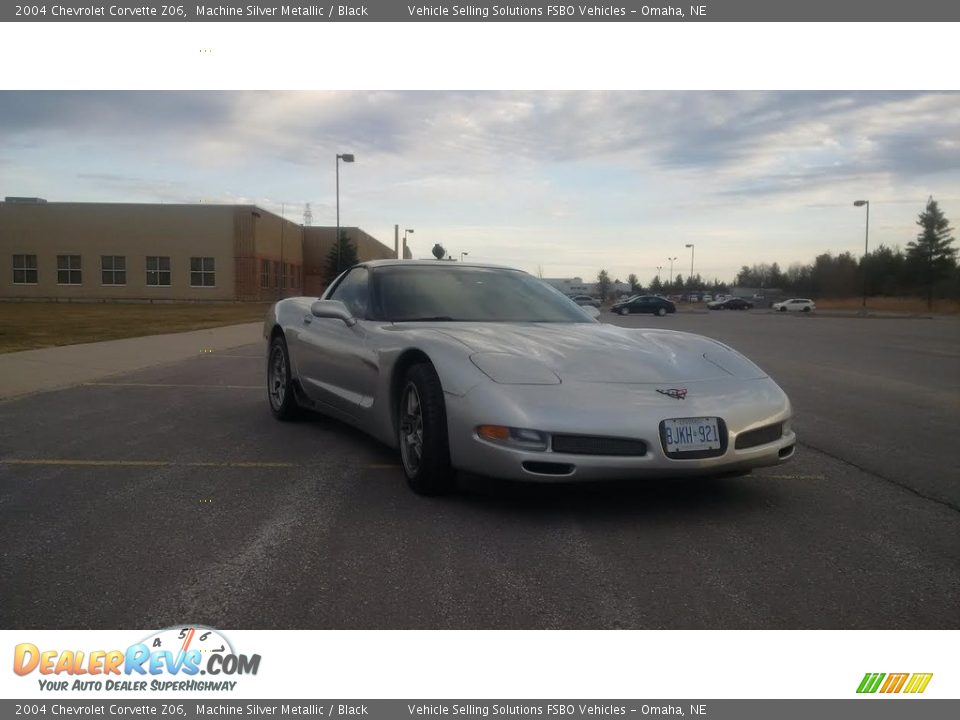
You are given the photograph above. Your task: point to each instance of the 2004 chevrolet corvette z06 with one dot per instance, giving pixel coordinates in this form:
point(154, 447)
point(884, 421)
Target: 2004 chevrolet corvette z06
point(490, 370)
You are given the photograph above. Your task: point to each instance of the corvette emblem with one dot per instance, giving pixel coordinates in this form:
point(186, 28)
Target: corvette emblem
point(675, 393)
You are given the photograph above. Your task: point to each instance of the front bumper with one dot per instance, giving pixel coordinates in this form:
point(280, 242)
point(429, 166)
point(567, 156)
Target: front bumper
point(620, 411)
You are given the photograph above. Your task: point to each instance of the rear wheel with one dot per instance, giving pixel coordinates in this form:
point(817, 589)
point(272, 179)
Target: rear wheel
point(280, 391)
point(422, 432)
point(661, 311)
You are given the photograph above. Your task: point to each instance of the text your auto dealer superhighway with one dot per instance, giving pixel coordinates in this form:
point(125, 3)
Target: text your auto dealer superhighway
point(103, 11)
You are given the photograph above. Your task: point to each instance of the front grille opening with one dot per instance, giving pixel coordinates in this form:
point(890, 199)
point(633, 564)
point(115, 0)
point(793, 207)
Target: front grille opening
point(548, 468)
point(595, 445)
point(786, 452)
point(760, 436)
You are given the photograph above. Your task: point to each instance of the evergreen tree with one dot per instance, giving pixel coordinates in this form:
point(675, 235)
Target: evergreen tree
point(634, 283)
point(931, 254)
point(342, 255)
point(603, 284)
point(438, 251)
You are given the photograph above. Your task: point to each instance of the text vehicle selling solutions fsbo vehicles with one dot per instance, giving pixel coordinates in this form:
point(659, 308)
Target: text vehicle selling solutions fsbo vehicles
point(489, 370)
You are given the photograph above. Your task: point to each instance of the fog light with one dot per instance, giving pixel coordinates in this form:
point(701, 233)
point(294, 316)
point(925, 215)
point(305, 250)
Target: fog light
point(522, 438)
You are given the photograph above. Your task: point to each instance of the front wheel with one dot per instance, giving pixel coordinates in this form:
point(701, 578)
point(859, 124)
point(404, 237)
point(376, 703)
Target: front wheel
point(422, 432)
point(283, 404)
point(624, 311)
point(783, 309)
point(806, 309)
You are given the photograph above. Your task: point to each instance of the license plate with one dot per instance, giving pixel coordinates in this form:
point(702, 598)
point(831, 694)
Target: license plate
point(691, 434)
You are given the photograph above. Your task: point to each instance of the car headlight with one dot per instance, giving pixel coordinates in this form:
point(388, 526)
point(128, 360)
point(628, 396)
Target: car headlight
point(510, 369)
point(521, 438)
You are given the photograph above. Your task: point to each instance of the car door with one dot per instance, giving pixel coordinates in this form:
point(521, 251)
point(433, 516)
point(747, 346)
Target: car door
point(337, 365)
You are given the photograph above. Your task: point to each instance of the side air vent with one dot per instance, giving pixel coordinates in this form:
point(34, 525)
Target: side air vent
point(594, 445)
point(760, 436)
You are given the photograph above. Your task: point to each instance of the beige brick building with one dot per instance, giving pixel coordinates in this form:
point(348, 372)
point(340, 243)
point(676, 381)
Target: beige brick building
point(135, 252)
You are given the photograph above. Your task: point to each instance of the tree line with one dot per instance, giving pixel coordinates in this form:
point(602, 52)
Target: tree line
point(927, 267)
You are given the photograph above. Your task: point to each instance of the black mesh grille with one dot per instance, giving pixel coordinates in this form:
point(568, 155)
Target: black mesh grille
point(592, 445)
point(760, 436)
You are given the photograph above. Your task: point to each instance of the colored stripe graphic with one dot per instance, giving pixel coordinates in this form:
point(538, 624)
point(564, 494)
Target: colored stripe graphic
point(918, 683)
point(894, 682)
point(870, 682)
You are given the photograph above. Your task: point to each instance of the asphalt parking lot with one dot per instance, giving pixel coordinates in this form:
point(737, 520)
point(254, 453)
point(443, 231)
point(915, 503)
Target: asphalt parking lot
point(171, 495)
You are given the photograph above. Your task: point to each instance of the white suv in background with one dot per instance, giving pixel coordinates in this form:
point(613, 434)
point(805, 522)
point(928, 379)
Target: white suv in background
point(795, 305)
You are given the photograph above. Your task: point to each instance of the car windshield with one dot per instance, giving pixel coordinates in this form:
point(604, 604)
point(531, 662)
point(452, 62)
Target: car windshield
point(443, 292)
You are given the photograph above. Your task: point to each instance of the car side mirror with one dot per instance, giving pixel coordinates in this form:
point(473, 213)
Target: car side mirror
point(333, 309)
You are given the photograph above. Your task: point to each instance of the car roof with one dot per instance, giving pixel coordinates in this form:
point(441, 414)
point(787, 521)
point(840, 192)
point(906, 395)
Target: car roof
point(433, 263)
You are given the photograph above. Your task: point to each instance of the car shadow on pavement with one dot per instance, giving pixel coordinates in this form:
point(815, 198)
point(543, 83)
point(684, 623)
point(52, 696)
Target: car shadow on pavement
point(619, 498)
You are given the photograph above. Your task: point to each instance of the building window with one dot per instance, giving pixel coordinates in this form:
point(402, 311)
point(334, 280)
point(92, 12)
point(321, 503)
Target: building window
point(285, 277)
point(264, 273)
point(202, 272)
point(24, 269)
point(158, 271)
point(68, 270)
point(276, 274)
point(113, 270)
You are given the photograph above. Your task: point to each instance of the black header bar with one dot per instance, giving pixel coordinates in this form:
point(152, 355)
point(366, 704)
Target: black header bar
point(484, 11)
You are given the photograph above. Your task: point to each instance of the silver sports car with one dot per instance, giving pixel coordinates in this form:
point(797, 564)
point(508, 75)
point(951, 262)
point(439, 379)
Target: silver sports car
point(490, 370)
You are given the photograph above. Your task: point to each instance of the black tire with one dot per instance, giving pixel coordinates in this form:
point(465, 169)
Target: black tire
point(661, 311)
point(428, 471)
point(624, 311)
point(806, 309)
point(280, 391)
point(783, 309)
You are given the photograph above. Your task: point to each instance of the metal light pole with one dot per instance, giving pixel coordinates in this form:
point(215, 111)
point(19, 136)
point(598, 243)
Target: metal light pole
point(690, 245)
point(659, 268)
point(405, 231)
point(671, 270)
point(866, 244)
point(462, 254)
point(347, 158)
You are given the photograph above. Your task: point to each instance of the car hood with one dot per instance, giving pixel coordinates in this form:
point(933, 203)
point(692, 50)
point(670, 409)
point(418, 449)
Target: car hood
point(595, 352)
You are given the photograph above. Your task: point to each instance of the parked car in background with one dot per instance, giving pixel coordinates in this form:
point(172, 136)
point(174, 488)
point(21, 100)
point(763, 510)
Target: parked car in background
point(644, 304)
point(585, 300)
point(795, 305)
point(708, 297)
point(733, 303)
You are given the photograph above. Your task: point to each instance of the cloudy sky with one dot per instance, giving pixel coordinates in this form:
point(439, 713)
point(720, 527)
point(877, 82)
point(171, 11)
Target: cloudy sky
point(566, 183)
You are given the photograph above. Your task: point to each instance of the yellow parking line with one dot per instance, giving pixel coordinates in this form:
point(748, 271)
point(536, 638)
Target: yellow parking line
point(145, 463)
point(794, 477)
point(176, 385)
point(165, 463)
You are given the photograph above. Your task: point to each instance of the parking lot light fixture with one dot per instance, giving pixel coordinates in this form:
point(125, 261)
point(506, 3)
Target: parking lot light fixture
point(690, 245)
point(403, 255)
point(866, 244)
point(347, 158)
point(671, 270)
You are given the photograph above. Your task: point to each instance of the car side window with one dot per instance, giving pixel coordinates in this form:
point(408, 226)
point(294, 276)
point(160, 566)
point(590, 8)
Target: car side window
point(354, 292)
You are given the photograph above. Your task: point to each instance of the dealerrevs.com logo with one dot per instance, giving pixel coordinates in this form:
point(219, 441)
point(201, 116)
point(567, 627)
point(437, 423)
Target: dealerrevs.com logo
point(169, 660)
point(894, 683)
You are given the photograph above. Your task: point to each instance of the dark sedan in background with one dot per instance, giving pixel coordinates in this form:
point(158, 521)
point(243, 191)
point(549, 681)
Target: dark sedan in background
point(730, 304)
point(644, 304)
